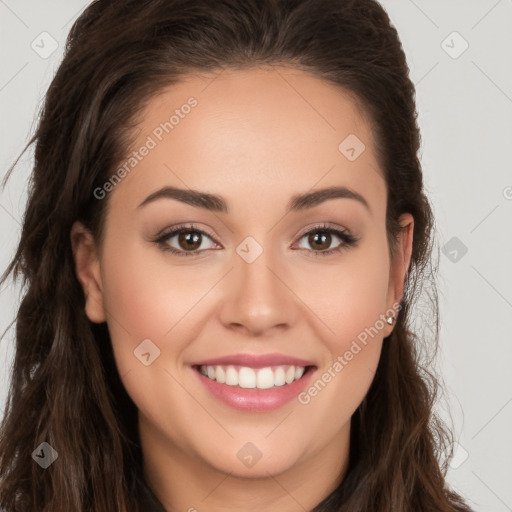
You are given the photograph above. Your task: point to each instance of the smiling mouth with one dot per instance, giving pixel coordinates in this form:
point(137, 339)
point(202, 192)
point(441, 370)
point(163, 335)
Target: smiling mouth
point(254, 378)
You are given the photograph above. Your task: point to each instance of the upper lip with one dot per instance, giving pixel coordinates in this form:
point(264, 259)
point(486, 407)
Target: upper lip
point(255, 361)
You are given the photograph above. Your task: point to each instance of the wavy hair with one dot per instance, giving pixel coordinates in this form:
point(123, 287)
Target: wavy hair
point(65, 388)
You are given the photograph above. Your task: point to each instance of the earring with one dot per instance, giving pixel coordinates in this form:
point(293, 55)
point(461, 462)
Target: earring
point(389, 320)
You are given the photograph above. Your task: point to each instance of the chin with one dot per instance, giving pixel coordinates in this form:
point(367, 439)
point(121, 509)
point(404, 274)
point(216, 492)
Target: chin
point(249, 461)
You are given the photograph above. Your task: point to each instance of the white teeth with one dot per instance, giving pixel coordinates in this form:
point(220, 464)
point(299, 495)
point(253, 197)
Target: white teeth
point(247, 378)
point(220, 375)
point(265, 378)
point(250, 378)
point(231, 377)
point(279, 377)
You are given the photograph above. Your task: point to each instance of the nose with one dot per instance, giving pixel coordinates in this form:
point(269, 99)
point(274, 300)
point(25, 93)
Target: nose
point(258, 297)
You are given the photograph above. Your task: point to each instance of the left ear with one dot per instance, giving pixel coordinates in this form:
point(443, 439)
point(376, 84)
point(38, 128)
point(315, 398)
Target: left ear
point(401, 260)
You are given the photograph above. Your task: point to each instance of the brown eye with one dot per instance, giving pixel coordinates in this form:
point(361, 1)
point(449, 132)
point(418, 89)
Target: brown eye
point(320, 240)
point(185, 241)
point(189, 240)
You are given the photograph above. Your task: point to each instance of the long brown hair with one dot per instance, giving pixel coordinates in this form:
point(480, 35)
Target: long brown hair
point(65, 388)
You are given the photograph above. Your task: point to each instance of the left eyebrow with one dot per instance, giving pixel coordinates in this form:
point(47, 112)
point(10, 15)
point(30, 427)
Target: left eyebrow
point(311, 199)
point(216, 203)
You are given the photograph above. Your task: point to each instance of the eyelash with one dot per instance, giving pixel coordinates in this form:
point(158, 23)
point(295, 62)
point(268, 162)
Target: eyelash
point(347, 239)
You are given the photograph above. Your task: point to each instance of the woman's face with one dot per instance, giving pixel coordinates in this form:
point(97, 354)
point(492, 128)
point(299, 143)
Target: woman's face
point(257, 274)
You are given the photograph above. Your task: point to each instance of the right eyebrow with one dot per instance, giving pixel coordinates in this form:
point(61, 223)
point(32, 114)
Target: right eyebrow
point(204, 200)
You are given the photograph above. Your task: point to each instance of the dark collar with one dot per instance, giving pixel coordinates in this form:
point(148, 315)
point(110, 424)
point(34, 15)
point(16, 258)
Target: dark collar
point(148, 501)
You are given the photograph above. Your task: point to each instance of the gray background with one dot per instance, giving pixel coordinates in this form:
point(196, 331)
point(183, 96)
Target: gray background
point(465, 114)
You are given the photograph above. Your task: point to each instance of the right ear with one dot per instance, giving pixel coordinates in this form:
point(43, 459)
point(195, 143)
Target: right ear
point(87, 268)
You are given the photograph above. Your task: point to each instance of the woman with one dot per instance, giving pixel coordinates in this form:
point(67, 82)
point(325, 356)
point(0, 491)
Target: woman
point(225, 235)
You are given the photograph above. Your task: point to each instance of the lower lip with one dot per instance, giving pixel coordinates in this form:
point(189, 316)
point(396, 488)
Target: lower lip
point(256, 400)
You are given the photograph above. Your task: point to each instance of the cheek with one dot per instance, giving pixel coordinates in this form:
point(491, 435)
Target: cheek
point(350, 300)
point(348, 296)
point(140, 301)
point(148, 300)
point(351, 305)
point(148, 296)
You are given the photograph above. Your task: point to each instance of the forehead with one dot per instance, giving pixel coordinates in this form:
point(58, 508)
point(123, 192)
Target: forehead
point(257, 132)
